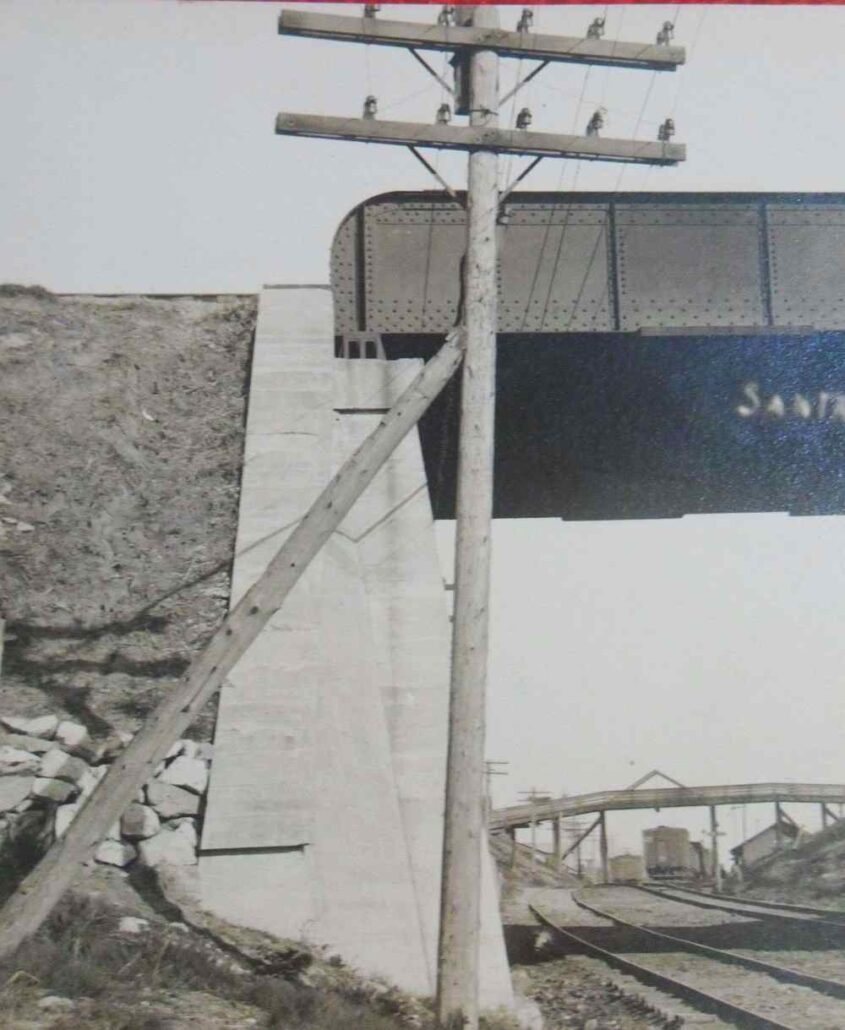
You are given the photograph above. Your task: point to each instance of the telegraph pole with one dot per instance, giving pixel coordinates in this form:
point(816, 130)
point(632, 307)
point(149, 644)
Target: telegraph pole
point(464, 828)
point(533, 796)
point(490, 771)
point(715, 834)
point(477, 43)
point(480, 43)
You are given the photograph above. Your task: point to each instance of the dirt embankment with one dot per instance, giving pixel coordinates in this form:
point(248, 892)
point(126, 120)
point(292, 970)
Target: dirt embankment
point(813, 872)
point(121, 435)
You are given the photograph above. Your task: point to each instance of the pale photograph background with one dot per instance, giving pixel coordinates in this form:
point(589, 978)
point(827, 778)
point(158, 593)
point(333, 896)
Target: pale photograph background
point(139, 156)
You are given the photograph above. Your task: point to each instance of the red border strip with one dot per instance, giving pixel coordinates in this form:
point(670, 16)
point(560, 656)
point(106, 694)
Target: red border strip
point(567, 3)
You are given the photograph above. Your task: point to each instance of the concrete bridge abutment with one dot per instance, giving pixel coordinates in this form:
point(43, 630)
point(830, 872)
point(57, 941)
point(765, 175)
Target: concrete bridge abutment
point(325, 808)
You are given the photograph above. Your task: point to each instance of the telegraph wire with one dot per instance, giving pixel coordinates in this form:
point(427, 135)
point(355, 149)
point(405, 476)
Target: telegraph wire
point(548, 226)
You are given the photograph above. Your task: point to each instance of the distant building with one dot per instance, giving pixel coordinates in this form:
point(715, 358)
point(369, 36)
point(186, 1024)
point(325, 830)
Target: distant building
point(765, 843)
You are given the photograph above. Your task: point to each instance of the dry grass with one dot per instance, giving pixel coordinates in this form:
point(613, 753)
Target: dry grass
point(126, 981)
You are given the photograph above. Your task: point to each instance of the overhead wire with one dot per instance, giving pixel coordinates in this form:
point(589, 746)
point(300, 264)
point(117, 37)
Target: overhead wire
point(548, 226)
point(568, 214)
point(430, 235)
point(595, 250)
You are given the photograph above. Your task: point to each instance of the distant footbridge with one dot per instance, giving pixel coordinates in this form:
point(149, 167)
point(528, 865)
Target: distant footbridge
point(554, 810)
point(518, 816)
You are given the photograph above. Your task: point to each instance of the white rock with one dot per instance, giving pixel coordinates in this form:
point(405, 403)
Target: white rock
point(53, 1003)
point(14, 790)
point(205, 752)
point(187, 829)
point(124, 736)
point(57, 765)
point(139, 822)
point(528, 1014)
point(171, 801)
point(190, 773)
point(37, 745)
point(190, 749)
point(65, 814)
point(116, 853)
point(52, 790)
point(44, 726)
point(175, 750)
point(133, 924)
point(170, 847)
point(13, 760)
point(75, 737)
point(87, 782)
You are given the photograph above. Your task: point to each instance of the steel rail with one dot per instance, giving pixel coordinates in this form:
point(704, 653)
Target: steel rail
point(745, 1018)
point(822, 984)
point(787, 906)
point(741, 908)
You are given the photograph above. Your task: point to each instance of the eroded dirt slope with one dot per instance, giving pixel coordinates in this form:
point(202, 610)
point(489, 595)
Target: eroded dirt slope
point(121, 433)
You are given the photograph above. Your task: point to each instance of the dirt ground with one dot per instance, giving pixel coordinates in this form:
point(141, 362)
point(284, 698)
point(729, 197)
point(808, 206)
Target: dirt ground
point(121, 433)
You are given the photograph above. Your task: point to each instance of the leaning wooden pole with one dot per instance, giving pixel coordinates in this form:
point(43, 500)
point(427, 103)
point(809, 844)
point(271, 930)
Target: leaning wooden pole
point(464, 829)
point(27, 909)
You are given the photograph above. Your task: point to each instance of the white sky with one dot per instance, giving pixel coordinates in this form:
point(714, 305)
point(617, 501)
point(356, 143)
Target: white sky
point(139, 155)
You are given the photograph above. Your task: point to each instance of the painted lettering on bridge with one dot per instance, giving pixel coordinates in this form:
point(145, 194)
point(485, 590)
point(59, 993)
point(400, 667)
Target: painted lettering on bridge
point(816, 406)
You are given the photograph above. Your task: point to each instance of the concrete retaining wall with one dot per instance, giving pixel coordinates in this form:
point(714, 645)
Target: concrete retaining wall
point(324, 816)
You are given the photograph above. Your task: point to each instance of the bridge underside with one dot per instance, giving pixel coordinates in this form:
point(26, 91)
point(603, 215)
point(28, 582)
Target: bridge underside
point(613, 426)
point(660, 354)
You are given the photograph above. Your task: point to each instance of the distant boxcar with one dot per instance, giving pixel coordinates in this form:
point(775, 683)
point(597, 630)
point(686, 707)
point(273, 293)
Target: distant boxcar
point(668, 853)
point(627, 869)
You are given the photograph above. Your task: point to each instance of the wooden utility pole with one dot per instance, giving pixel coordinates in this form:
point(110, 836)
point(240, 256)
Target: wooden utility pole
point(479, 43)
point(605, 864)
point(465, 825)
point(715, 834)
point(557, 843)
point(490, 771)
point(27, 909)
point(533, 796)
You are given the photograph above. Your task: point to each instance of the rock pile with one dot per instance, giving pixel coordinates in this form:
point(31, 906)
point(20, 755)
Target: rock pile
point(49, 768)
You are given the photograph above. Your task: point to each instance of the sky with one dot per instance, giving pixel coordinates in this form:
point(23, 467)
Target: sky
point(139, 156)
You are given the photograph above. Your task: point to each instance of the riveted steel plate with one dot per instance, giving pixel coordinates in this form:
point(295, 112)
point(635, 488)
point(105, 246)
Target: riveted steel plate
point(413, 267)
point(344, 273)
point(593, 262)
point(554, 273)
point(807, 260)
point(690, 265)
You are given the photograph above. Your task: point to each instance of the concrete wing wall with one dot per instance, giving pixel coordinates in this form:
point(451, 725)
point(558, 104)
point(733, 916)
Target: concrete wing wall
point(325, 808)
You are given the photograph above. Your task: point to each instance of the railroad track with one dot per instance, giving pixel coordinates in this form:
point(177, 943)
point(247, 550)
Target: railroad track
point(726, 1010)
point(804, 914)
point(753, 979)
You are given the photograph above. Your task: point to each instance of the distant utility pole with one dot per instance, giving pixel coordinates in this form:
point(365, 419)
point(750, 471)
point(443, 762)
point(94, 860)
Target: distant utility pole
point(490, 771)
point(715, 862)
point(472, 35)
point(533, 796)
